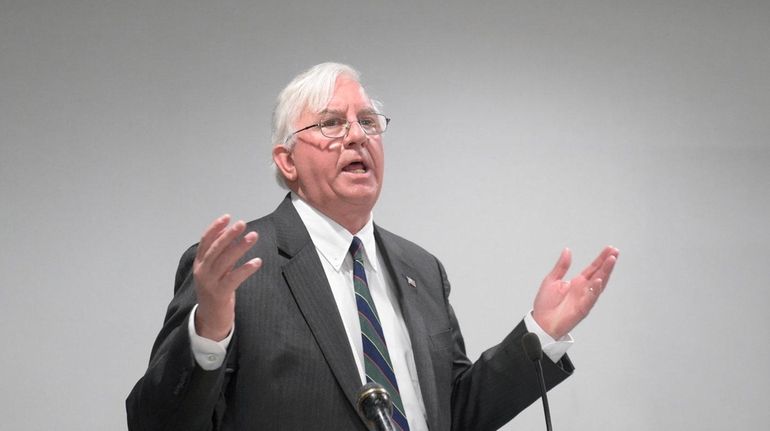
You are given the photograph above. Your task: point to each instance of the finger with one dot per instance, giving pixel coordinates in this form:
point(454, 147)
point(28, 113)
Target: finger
point(591, 269)
point(224, 240)
point(606, 270)
point(230, 255)
point(562, 266)
point(210, 234)
point(589, 297)
point(594, 287)
point(236, 277)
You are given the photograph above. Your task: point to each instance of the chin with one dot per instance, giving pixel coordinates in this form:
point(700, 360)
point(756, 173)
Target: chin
point(362, 196)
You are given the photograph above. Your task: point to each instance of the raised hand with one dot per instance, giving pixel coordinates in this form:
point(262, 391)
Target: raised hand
point(560, 305)
point(217, 278)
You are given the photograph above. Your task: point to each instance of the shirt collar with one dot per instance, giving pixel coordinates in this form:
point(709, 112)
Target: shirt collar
point(332, 240)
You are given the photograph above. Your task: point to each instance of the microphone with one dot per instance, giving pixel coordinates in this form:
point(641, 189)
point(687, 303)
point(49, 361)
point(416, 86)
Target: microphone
point(534, 351)
point(374, 405)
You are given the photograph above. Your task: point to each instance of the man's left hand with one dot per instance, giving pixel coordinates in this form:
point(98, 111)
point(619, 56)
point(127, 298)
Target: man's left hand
point(560, 305)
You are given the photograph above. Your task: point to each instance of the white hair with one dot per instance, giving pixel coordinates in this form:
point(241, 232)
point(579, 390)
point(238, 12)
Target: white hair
point(312, 89)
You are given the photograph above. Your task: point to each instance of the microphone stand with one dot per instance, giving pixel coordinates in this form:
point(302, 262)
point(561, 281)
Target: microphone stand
point(544, 392)
point(534, 351)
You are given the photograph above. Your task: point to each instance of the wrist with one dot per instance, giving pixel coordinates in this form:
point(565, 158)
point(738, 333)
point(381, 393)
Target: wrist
point(215, 328)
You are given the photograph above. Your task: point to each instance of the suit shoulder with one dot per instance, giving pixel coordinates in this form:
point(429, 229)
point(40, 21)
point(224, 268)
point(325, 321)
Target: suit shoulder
point(265, 223)
point(264, 226)
point(403, 245)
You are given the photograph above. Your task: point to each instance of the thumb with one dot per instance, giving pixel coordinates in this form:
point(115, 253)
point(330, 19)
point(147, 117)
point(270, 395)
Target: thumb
point(562, 266)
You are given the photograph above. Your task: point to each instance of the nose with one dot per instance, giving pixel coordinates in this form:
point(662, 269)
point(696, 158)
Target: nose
point(355, 134)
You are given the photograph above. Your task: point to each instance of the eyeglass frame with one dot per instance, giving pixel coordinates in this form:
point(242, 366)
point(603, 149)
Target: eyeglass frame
point(348, 125)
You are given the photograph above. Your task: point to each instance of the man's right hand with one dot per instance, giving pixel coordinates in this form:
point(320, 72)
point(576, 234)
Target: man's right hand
point(217, 278)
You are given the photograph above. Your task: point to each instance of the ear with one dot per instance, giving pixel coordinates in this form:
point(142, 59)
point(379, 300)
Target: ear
point(285, 163)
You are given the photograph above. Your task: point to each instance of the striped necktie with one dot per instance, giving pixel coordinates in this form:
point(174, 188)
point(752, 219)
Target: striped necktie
point(377, 365)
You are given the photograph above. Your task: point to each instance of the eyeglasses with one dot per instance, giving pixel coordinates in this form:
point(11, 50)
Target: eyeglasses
point(337, 127)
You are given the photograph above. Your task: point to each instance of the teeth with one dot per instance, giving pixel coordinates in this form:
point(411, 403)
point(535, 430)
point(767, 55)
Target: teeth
point(359, 171)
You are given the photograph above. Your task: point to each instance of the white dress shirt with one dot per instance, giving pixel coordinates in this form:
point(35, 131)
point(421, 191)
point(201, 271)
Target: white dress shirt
point(332, 242)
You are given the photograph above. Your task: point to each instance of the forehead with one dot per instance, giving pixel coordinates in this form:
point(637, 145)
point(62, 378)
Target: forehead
point(348, 95)
point(348, 91)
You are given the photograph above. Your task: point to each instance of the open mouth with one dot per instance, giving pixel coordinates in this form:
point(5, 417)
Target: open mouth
point(356, 168)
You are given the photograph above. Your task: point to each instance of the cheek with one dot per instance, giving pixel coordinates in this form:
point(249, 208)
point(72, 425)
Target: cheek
point(317, 166)
point(378, 157)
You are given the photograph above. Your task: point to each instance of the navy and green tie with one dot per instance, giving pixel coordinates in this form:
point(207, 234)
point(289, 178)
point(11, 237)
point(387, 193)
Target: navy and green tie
point(377, 364)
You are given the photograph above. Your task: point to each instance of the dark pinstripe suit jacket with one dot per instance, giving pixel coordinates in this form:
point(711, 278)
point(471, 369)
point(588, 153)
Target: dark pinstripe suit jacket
point(289, 365)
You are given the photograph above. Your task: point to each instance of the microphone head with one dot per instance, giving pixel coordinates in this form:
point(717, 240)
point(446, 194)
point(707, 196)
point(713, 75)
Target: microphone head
point(372, 399)
point(531, 344)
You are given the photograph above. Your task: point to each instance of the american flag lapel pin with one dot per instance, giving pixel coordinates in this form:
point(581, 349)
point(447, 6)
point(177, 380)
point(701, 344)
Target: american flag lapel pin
point(411, 282)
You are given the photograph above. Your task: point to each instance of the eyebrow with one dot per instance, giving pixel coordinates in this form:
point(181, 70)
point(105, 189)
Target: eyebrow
point(342, 113)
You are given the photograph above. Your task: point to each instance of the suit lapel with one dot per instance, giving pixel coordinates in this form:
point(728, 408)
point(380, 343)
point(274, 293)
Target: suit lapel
point(406, 280)
point(307, 281)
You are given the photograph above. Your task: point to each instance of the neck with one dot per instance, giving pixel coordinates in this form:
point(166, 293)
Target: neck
point(353, 225)
point(350, 216)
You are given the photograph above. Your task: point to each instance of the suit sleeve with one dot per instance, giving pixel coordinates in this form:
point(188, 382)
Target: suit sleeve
point(488, 393)
point(175, 393)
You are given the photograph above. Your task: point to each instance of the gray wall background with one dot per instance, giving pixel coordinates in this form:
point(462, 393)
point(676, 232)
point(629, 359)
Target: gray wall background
point(518, 128)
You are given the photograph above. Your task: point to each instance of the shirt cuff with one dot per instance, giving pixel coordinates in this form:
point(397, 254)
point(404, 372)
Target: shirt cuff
point(554, 349)
point(209, 354)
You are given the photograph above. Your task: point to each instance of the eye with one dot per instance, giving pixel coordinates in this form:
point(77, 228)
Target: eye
point(371, 123)
point(332, 122)
point(367, 121)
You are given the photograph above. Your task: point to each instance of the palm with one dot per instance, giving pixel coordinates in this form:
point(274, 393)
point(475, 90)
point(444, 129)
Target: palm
point(560, 305)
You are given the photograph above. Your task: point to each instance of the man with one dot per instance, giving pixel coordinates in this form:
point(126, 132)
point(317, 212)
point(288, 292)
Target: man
point(281, 333)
